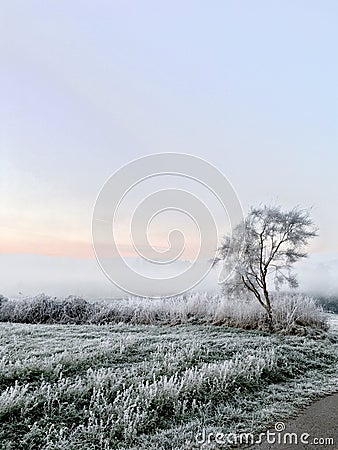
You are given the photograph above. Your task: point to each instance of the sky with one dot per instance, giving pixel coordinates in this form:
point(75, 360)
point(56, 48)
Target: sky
point(86, 87)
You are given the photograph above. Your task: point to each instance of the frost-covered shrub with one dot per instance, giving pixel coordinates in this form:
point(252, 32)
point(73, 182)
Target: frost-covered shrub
point(291, 313)
point(294, 312)
point(45, 309)
point(76, 310)
point(3, 299)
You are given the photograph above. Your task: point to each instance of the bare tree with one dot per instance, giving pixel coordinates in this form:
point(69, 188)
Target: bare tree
point(266, 245)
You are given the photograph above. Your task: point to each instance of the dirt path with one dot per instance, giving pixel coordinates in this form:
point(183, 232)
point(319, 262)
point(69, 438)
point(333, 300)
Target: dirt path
point(319, 421)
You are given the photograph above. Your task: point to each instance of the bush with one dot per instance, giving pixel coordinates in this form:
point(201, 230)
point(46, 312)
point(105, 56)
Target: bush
point(3, 299)
point(292, 314)
point(329, 303)
point(45, 309)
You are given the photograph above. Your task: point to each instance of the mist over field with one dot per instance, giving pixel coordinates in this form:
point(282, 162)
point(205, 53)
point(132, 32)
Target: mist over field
point(62, 276)
point(27, 275)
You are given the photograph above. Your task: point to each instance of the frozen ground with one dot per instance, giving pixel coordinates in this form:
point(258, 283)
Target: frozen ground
point(151, 387)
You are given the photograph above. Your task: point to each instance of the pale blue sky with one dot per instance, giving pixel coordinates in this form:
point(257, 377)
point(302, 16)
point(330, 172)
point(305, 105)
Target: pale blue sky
point(251, 86)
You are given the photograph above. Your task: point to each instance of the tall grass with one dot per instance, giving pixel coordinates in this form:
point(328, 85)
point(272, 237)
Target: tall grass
point(144, 387)
point(291, 313)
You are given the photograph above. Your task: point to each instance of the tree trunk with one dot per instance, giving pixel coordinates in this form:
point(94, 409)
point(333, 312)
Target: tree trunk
point(268, 307)
point(270, 319)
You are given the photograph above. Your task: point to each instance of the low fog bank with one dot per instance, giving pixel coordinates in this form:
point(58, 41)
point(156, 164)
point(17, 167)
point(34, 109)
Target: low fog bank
point(27, 275)
point(318, 274)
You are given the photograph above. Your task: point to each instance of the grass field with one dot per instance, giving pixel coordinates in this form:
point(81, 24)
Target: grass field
point(150, 387)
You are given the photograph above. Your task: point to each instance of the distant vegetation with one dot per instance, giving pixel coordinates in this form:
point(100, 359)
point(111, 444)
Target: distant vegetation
point(292, 313)
point(329, 303)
